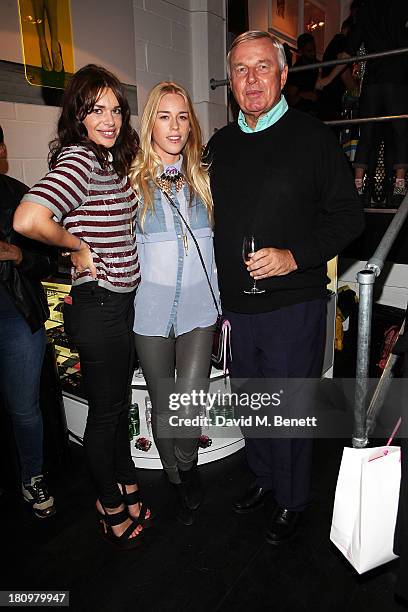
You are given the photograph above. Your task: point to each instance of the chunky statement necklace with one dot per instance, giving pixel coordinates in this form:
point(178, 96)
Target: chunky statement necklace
point(169, 178)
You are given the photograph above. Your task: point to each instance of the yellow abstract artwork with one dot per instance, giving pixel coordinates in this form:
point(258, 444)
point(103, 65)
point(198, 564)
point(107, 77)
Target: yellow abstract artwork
point(46, 35)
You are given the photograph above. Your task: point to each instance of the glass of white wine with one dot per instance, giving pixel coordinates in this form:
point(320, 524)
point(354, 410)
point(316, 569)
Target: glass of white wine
point(249, 246)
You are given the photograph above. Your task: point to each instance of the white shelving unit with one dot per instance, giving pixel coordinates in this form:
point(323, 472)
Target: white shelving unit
point(225, 440)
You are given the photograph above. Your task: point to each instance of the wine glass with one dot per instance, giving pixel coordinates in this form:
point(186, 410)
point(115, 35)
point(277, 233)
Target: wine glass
point(249, 246)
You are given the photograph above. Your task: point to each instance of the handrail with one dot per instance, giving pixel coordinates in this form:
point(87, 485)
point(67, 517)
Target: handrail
point(366, 279)
point(376, 262)
point(359, 120)
point(214, 83)
point(349, 60)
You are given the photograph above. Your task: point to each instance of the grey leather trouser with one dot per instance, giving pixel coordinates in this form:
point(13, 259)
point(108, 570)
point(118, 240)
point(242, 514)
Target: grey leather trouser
point(189, 355)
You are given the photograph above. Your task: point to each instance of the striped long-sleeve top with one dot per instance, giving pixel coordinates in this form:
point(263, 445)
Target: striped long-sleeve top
point(93, 203)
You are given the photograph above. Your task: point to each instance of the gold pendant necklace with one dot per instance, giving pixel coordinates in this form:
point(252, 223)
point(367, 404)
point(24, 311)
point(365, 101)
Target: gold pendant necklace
point(185, 242)
point(165, 182)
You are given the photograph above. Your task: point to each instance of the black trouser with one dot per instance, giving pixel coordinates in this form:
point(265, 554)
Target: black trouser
point(284, 343)
point(99, 322)
point(383, 99)
point(190, 355)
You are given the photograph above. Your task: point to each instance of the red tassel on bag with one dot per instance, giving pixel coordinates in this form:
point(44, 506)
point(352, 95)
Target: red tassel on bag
point(390, 337)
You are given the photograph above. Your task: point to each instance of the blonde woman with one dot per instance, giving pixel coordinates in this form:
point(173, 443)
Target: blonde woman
point(175, 310)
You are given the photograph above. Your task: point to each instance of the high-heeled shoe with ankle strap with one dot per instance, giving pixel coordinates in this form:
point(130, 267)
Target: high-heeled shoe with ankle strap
point(124, 541)
point(132, 498)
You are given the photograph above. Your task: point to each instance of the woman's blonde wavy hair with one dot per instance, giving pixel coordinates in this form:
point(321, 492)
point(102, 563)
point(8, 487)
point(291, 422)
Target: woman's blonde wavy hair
point(147, 165)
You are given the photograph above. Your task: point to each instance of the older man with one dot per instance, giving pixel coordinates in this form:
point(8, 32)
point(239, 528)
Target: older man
point(280, 175)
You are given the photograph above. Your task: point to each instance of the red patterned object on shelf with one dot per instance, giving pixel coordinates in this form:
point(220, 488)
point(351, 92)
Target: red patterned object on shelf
point(204, 441)
point(143, 444)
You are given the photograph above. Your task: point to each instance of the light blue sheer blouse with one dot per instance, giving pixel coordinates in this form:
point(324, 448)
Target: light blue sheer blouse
point(173, 291)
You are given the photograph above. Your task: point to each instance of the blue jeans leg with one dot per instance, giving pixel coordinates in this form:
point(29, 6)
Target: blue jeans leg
point(21, 359)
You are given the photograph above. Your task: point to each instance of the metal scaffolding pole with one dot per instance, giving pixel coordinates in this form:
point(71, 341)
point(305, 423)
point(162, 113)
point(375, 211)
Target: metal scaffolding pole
point(376, 262)
point(366, 279)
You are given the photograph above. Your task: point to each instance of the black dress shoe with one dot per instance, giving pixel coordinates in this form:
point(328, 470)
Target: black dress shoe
point(283, 526)
point(182, 512)
point(194, 491)
point(252, 500)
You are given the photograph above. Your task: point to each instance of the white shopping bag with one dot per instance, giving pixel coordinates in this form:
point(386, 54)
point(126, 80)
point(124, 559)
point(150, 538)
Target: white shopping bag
point(366, 504)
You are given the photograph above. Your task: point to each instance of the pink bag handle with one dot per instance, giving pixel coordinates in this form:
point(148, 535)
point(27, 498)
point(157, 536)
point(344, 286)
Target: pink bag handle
point(226, 342)
point(384, 452)
point(396, 428)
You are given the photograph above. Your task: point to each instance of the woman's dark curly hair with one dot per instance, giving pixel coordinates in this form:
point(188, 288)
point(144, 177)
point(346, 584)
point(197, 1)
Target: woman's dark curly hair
point(80, 96)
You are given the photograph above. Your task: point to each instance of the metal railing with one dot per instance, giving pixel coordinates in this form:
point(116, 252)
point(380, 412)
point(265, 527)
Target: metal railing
point(364, 419)
point(214, 83)
point(340, 122)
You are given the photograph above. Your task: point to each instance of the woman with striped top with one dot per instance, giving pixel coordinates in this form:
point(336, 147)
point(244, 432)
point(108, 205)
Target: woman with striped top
point(86, 205)
point(175, 311)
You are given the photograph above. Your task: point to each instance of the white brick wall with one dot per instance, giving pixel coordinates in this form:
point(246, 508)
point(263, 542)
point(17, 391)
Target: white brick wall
point(183, 41)
point(27, 131)
point(180, 40)
point(163, 44)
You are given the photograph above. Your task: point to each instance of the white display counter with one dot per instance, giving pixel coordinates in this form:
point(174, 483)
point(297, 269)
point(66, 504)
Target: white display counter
point(224, 441)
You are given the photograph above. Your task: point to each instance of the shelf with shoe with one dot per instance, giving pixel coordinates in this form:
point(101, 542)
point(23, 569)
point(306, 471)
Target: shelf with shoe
point(216, 441)
point(67, 357)
point(381, 193)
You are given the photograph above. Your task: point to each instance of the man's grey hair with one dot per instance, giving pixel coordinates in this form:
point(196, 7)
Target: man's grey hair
point(254, 35)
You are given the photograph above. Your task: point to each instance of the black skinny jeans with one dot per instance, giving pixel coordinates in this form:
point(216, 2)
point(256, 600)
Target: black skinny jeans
point(99, 322)
point(383, 99)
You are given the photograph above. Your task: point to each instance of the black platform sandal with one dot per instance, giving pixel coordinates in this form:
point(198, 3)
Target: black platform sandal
point(124, 541)
point(133, 498)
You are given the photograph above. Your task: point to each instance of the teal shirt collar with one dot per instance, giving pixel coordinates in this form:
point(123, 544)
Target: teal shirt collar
point(267, 120)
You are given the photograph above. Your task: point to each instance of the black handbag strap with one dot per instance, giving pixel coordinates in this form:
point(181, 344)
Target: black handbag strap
point(173, 205)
